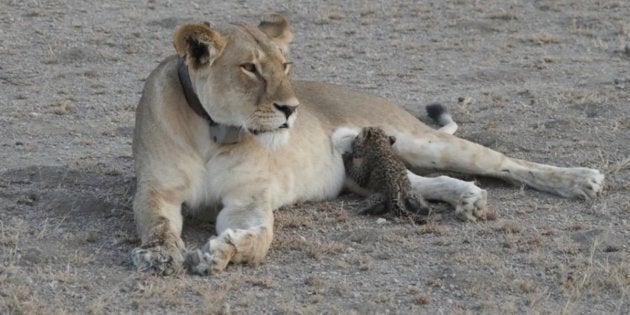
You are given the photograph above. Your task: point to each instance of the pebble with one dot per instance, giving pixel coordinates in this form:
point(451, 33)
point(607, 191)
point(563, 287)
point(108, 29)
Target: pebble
point(381, 221)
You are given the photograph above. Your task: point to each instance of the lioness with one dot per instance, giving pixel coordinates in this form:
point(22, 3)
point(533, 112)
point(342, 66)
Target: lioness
point(222, 126)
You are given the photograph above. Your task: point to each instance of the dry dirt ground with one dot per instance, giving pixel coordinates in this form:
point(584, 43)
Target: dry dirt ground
point(546, 80)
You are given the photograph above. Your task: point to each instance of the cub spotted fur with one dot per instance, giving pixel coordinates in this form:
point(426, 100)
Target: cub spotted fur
point(266, 141)
point(372, 165)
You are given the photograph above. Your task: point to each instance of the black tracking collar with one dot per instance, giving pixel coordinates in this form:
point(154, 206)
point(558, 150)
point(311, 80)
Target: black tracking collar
point(221, 134)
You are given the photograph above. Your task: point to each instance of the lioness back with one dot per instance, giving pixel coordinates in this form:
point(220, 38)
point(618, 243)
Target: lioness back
point(342, 106)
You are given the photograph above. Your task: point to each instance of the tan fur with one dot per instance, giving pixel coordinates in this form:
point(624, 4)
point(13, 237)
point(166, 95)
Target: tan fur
point(287, 156)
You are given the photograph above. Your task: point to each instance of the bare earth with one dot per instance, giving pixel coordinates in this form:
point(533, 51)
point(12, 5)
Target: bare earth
point(547, 81)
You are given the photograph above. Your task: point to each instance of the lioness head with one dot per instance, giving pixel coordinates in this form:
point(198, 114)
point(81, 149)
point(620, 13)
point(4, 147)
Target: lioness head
point(241, 75)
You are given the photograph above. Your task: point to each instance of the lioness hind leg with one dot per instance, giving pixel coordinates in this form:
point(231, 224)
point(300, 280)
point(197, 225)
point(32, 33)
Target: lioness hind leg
point(468, 200)
point(159, 225)
point(441, 151)
point(569, 182)
point(244, 236)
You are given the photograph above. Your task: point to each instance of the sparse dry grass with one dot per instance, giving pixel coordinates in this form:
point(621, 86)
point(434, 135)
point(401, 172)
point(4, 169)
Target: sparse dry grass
point(617, 167)
point(504, 16)
point(432, 227)
point(510, 227)
point(313, 248)
point(422, 299)
point(543, 39)
point(266, 282)
point(288, 219)
point(21, 300)
point(363, 262)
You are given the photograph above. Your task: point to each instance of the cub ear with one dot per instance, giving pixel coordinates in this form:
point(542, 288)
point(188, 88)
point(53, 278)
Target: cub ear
point(392, 140)
point(198, 44)
point(276, 27)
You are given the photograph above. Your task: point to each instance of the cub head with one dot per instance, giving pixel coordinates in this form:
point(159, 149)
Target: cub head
point(371, 137)
point(241, 75)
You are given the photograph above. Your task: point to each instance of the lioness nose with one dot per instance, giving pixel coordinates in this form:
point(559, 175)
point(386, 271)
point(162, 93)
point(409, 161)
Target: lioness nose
point(286, 109)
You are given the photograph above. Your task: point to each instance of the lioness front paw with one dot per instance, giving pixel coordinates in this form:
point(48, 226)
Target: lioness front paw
point(200, 263)
point(211, 259)
point(472, 204)
point(162, 260)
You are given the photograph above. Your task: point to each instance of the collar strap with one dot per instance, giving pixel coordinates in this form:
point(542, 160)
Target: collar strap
point(220, 133)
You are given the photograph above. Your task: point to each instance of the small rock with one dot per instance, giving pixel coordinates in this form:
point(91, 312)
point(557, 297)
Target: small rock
point(381, 221)
point(464, 100)
point(62, 108)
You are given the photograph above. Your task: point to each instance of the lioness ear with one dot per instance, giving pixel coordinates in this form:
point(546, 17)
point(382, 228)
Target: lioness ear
point(198, 44)
point(276, 27)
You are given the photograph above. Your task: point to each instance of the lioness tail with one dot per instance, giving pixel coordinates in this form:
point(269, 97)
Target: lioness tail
point(440, 115)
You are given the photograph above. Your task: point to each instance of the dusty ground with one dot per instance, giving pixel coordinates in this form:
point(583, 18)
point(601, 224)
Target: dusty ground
point(547, 81)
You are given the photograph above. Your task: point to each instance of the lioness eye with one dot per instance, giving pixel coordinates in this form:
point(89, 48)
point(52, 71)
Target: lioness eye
point(249, 67)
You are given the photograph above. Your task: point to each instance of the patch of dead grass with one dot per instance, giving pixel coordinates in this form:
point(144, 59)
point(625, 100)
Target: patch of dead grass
point(363, 262)
point(246, 299)
point(543, 39)
point(342, 288)
point(617, 167)
point(593, 275)
point(577, 226)
point(266, 282)
point(20, 299)
point(80, 258)
point(422, 299)
point(432, 227)
point(289, 219)
point(504, 16)
point(312, 248)
point(314, 281)
point(97, 306)
point(510, 227)
point(526, 285)
point(567, 246)
point(164, 292)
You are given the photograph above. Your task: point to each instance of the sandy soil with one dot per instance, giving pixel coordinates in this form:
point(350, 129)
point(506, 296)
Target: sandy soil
point(545, 80)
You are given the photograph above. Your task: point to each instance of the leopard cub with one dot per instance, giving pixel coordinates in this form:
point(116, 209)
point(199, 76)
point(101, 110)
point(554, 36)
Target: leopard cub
point(372, 165)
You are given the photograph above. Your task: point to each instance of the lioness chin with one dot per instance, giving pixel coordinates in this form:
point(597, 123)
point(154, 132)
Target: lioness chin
point(222, 126)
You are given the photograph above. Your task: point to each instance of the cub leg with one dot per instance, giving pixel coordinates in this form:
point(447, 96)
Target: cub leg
point(159, 221)
point(374, 204)
point(378, 204)
point(441, 151)
point(244, 233)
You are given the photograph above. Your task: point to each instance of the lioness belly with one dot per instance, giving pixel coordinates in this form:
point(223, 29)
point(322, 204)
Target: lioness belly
point(285, 176)
point(319, 180)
